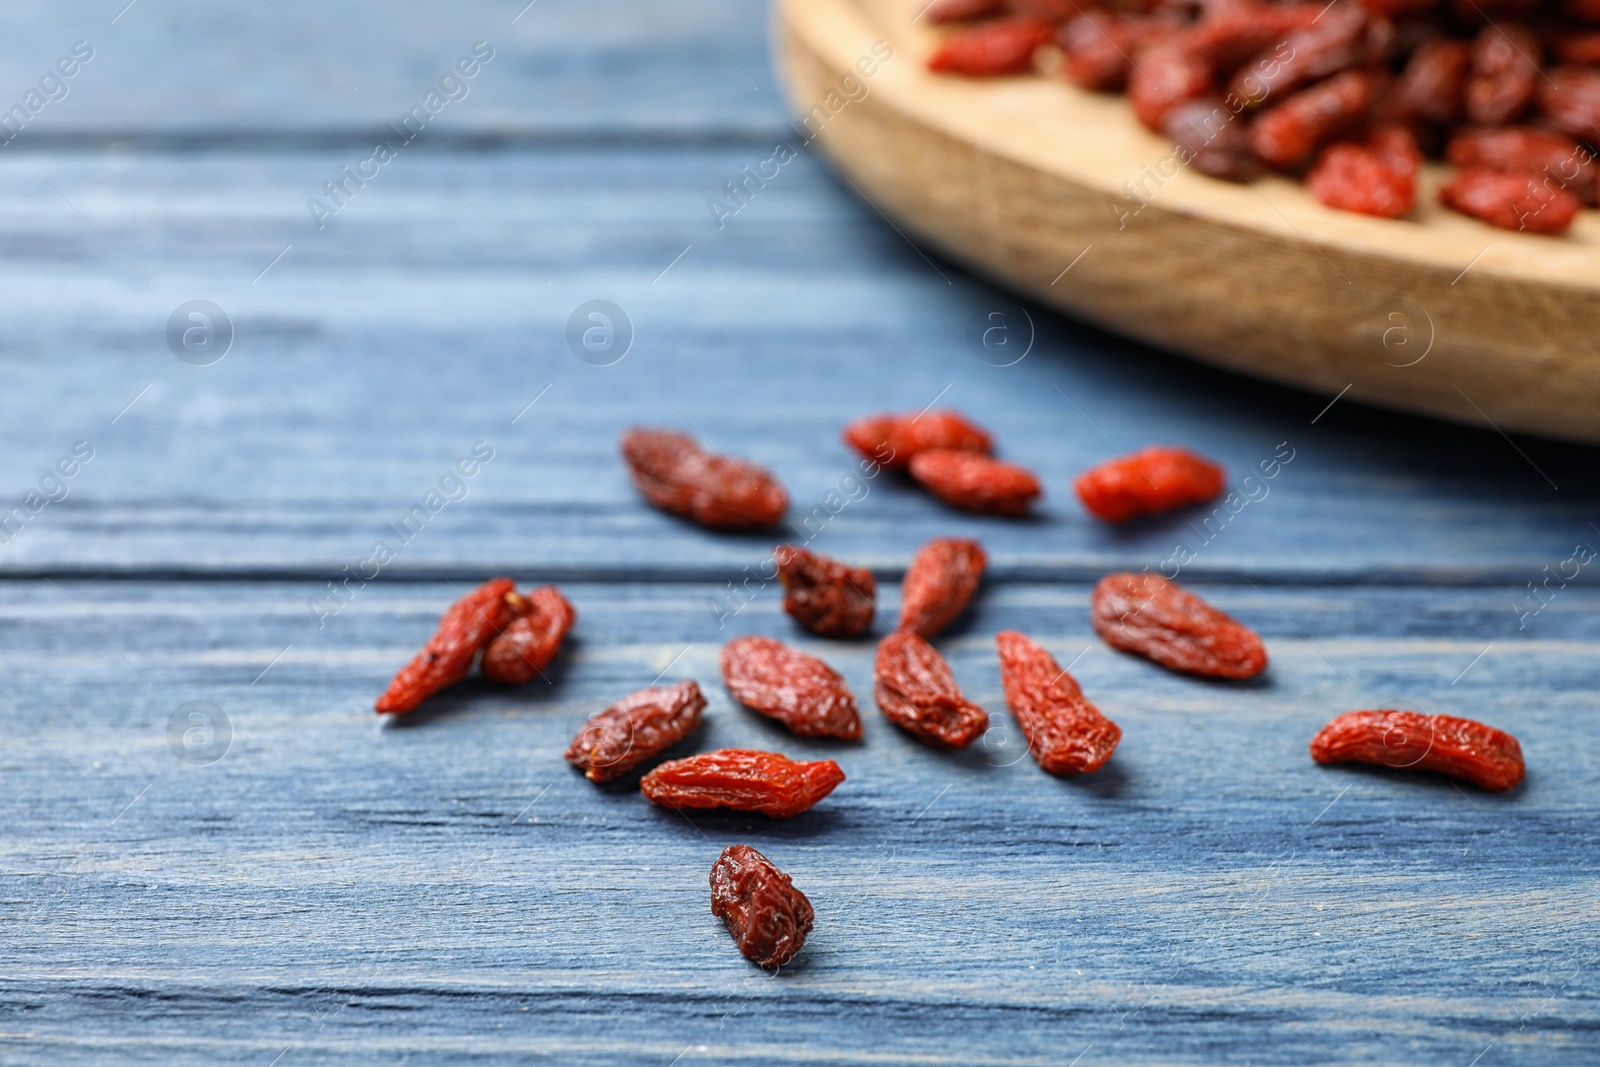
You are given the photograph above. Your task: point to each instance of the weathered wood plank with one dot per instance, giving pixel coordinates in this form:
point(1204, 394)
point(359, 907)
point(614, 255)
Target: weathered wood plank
point(290, 70)
point(446, 889)
point(374, 353)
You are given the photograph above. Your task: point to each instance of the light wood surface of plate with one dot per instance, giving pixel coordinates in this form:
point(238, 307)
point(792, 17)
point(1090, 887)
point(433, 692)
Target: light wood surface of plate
point(1020, 177)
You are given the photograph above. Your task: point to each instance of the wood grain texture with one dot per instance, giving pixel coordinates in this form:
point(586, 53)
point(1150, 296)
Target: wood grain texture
point(446, 888)
point(1018, 176)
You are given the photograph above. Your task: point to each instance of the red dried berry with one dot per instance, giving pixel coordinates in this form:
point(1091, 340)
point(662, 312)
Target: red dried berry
point(1165, 74)
point(1212, 138)
point(1578, 48)
point(742, 779)
point(1527, 150)
point(1488, 758)
point(892, 440)
point(1569, 100)
point(972, 481)
point(942, 11)
point(1066, 734)
point(1147, 615)
point(1148, 482)
point(640, 725)
point(1099, 46)
point(1287, 135)
point(1505, 71)
point(675, 474)
point(917, 692)
point(1375, 177)
point(1511, 201)
point(823, 595)
point(768, 917)
point(939, 584)
point(1433, 85)
point(530, 641)
point(464, 629)
point(1325, 47)
point(800, 691)
point(991, 49)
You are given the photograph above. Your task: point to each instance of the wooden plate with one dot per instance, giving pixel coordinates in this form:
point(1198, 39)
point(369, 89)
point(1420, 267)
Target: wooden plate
point(1059, 193)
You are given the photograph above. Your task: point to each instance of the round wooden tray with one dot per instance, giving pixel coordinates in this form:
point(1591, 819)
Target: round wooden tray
point(1059, 193)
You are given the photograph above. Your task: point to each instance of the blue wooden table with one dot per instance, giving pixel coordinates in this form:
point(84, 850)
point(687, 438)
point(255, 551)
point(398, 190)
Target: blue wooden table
point(307, 884)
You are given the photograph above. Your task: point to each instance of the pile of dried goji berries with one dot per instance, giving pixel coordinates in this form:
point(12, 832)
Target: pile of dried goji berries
point(1351, 94)
point(515, 636)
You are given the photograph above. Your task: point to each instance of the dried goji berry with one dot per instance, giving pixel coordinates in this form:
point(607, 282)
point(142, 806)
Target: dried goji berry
point(675, 474)
point(1148, 482)
point(1165, 74)
point(992, 48)
point(917, 692)
point(939, 584)
point(941, 11)
point(742, 779)
point(1066, 734)
point(1433, 85)
point(1287, 135)
point(1578, 48)
point(468, 625)
point(972, 481)
point(800, 691)
point(1375, 177)
point(1462, 748)
point(1099, 46)
point(640, 725)
point(823, 595)
point(1211, 138)
point(1326, 47)
point(1505, 70)
point(1511, 201)
point(892, 440)
point(768, 917)
point(1569, 100)
point(528, 643)
point(1152, 617)
point(1527, 150)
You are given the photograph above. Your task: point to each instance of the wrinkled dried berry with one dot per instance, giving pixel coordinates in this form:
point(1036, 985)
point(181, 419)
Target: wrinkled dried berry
point(1375, 177)
point(1285, 136)
point(1211, 138)
point(528, 643)
point(1433, 85)
point(892, 440)
point(1462, 748)
point(1511, 201)
point(1147, 615)
point(768, 917)
point(1569, 100)
point(1099, 47)
point(972, 481)
point(939, 584)
point(1165, 74)
point(1505, 71)
point(1066, 734)
point(1148, 482)
point(917, 692)
point(823, 595)
point(464, 629)
point(742, 779)
point(800, 691)
point(1527, 150)
point(675, 474)
point(992, 48)
point(634, 729)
